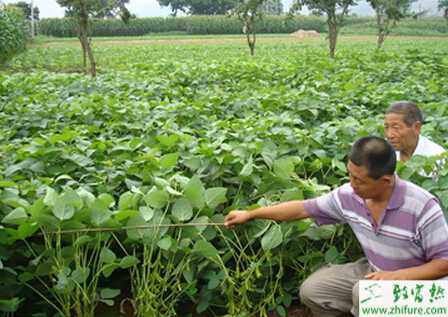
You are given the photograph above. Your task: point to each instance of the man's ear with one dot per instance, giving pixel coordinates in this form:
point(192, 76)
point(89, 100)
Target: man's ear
point(417, 126)
point(387, 179)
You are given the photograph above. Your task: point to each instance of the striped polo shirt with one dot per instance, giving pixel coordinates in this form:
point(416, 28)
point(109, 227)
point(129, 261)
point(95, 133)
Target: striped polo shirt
point(411, 231)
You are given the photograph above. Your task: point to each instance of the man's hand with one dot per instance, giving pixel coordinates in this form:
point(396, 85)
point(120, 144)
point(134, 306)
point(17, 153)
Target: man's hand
point(236, 217)
point(386, 275)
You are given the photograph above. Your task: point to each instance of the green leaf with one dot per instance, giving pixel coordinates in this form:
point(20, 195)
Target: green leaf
point(165, 243)
point(86, 196)
point(182, 210)
point(284, 167)
point(157, 198)
point(332, 256)
point(146, 212)
point(107, 256)
point(169, 160)
point(10, 305)
point(50, 197)
point(292, 194)
point(37, 208)
point(63, 210)
point(247, 168)
point(100, 212)
point(108, 269)
point(107, 293)
point(188, 276)
point(82, 240)
point(194, 191)
point(281, 310)
point(4, 184)
point(213, 283)
point(72, 198)
point(272, 238)
point(121, 215)
point(126, 201)
point(150, 233)
point(108, 200)
point(128, 261)
point(16, 217)
point(108, 302)
point(168, 141)
point(80, 275)
point(319, 233)
point(27, 230)
point(215, 196)
point(206, 249)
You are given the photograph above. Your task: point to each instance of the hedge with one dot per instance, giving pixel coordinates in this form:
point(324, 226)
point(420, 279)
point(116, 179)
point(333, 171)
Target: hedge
point(13, 33)
point(192, 25)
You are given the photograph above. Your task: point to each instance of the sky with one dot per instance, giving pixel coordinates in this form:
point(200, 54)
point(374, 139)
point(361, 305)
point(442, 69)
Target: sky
point(151, 8)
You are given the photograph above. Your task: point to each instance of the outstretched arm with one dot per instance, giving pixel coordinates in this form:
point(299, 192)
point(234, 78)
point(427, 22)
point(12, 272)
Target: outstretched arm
point(291, 210)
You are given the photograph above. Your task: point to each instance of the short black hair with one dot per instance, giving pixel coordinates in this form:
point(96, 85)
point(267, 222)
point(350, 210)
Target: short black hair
point(376, 154)
point(409, 109)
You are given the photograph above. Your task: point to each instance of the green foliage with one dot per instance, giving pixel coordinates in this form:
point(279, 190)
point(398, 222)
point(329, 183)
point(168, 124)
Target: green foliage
point(329, 7)
point(13, 33)
point(199, 7)
point(429, 26)
point(388, 13)
point(443, 5)
point(392, 10)
point(25, 7)
point(272, 7)
point(95, 8)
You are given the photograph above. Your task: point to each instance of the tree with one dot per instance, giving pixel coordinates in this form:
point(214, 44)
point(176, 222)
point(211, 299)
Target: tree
point(248, 11)
point(335, 11)
point(443, 5)
point(26, 9)
point(83, 10)
point(388, 13)
point(199, 7)
point(272, 7)
point(112, 11)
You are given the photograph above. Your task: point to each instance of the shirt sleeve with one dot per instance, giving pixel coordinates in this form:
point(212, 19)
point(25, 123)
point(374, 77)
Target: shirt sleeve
point(325, 209)
point(433, 231)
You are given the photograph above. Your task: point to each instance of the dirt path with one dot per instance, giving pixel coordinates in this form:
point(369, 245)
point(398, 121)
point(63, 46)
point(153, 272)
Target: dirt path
point(227, 40)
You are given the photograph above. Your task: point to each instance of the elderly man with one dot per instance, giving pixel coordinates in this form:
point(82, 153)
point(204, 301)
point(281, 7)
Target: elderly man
point(399, 225)
point(402, 125)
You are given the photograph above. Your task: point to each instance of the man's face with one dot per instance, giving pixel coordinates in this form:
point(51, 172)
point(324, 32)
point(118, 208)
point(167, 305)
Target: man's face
point(363, 185)
point(401, 136)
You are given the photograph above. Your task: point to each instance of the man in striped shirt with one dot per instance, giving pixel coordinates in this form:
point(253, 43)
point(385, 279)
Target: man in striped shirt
point(399, 225)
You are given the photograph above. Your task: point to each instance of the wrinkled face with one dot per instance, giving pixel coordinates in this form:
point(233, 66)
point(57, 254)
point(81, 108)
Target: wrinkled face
point(363, 185)
point(401, 136)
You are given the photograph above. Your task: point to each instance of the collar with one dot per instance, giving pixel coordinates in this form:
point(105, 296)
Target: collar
point(397, 198)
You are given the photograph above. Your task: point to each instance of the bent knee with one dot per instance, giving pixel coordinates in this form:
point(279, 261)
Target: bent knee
point(308, 291)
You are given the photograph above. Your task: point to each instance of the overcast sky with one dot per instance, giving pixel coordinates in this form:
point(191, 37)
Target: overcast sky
point(148, 8)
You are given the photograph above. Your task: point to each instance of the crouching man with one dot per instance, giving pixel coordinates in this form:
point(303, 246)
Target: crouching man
point(400, 226)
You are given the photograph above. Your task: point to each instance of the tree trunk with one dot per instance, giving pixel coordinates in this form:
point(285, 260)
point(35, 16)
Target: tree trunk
point(332, 37)
point(84, 38)
point(251, 36)
point(381, 29)
point(381, 38)
point(84, 53)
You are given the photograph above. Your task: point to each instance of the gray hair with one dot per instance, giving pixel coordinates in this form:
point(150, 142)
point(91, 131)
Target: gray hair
point(409, 109)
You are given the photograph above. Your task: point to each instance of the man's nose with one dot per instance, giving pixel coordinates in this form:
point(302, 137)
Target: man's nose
point(389, 134)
